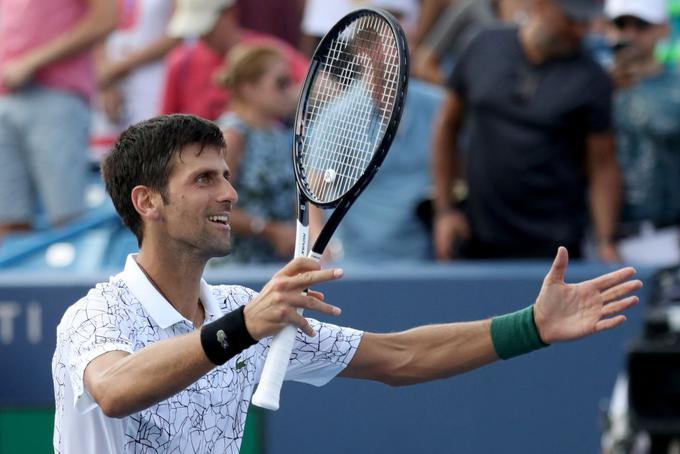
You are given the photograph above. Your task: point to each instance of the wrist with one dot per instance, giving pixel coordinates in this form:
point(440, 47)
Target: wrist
point(516, 333)
point(226, 337)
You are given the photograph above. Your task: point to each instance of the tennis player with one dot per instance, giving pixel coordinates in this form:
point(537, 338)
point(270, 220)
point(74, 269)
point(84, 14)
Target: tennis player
point(157, 360)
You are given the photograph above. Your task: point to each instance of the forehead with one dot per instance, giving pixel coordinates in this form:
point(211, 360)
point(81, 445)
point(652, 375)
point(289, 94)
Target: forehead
point(195, 156)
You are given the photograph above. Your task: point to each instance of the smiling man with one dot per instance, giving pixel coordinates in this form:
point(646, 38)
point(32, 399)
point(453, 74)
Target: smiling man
point(157, 360)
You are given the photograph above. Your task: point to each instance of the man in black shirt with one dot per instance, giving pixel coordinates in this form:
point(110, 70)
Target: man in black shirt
point(539, 145)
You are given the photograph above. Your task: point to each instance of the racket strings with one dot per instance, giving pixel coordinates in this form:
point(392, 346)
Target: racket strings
point(350, 105)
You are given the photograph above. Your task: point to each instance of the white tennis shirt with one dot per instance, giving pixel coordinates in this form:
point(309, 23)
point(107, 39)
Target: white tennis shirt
point(128, 313)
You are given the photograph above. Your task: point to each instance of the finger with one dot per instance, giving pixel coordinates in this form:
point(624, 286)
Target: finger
point(309, 302)
point(609, 323)
point(619, 306)
point(298, 265)
point(559, 266)
point(620, 290)
point(615, 277)
point(300, 322)
point(318, 295)
point(307, 279)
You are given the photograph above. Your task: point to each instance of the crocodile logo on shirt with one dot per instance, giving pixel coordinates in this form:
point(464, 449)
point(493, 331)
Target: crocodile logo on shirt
point(240, 364)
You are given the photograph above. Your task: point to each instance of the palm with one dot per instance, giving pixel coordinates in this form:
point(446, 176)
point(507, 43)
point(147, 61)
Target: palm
point(571, 311)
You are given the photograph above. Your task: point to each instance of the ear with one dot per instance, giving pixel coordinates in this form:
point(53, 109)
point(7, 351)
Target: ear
point(147, 202)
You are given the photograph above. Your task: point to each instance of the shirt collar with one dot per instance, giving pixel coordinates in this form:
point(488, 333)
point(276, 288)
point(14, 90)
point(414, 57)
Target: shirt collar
point(155, 304)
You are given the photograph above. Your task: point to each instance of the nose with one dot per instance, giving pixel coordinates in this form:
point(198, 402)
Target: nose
point(228, 192)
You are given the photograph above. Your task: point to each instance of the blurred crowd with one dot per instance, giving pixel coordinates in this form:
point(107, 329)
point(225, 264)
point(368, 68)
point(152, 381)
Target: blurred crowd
point(528, 124)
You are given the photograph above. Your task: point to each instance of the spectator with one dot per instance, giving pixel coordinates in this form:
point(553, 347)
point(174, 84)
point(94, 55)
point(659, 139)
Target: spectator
point(130, 70)
point(259, 156)
point(382, 225)
point(540, 145)
point(646, 108)
point(455, 28)
point(46, 80)
point(190, 85)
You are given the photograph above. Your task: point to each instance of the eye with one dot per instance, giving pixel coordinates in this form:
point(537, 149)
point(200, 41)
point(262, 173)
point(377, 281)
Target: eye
point(203, 179)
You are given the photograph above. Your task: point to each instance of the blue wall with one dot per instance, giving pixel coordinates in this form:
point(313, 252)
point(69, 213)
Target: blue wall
point(544, 402)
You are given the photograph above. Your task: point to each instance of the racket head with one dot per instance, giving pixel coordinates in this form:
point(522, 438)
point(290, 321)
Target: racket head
point(350, 106)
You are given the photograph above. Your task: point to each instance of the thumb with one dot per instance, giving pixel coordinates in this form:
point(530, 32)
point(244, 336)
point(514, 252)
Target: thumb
point(559, 266)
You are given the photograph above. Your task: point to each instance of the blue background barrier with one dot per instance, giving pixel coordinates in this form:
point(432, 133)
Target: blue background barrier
point(547, 401)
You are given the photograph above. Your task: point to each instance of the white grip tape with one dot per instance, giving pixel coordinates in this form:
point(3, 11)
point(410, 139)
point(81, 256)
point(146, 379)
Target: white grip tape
point(275, 366)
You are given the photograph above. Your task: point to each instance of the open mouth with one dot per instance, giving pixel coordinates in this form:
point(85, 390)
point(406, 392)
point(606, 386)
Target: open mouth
point(223, 220)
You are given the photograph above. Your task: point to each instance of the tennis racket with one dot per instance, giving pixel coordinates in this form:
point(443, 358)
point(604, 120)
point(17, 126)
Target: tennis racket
point(347, 115)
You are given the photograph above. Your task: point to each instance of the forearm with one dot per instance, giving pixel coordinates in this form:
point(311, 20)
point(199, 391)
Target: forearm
point(100, 20)
point(605, 198)
point(445, 152)
point(151, 53)
point(244, 224)
point(445, 350)
point(424, 353)
point(150, 375)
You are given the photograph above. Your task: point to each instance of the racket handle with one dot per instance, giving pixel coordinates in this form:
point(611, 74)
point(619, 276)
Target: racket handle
point(275, 366)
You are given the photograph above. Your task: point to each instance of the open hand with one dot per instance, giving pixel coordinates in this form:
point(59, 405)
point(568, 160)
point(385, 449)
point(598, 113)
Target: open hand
point(566, 312)
point(277, 304)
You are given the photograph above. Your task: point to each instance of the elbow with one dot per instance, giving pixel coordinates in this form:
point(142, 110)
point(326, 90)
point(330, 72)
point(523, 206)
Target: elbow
point(113, 410)
point(111, 402)
point(112, 406)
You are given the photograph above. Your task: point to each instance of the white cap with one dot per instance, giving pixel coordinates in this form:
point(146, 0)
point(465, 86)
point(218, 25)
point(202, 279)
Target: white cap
point(195, 18)
point(652, 11)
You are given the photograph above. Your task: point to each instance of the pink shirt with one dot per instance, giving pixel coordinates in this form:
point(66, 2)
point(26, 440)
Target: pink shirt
point(190, 85)
point(27, 24)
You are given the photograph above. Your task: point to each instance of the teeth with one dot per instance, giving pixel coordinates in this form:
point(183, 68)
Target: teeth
point(219, 218)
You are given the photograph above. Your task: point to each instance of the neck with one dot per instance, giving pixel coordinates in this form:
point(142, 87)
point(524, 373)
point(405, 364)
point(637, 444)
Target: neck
point(251, 115)
point(176, 276)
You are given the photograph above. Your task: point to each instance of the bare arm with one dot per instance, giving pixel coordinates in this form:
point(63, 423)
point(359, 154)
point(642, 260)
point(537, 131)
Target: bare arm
point(100, 19)
point(449, 224)
point(112, 71)
point(562, 312)
point(123, 383)
point(605, 186)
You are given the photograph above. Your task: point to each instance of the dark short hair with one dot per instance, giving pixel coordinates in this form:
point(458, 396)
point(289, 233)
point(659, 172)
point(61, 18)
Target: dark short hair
point(144, 155)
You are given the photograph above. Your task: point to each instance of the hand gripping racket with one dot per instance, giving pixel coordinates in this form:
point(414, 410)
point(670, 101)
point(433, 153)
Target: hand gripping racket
point(346, 118)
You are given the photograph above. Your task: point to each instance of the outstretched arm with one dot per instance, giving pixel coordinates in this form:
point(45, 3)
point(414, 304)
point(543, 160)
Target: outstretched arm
point(562, 312)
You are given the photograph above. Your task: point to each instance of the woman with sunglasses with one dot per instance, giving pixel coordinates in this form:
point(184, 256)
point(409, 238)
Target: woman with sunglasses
point(258, 152)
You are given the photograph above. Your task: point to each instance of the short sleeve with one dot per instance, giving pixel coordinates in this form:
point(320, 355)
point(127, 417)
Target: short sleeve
point(90, 328)
point(599, 109)
point(457, 81)
point(316, 360)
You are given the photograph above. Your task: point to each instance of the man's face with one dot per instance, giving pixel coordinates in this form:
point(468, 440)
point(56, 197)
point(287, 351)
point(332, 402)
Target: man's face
point(561, 35)
point(198, 202)
point(640, 36)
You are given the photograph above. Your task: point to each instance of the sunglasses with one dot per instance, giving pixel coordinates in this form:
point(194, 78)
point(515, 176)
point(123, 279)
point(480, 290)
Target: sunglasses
point(282, 83)
point(624, 22)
